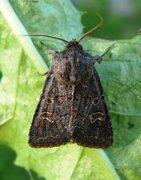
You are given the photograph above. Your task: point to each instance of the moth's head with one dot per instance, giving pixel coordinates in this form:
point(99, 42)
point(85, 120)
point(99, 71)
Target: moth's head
point(73, 44)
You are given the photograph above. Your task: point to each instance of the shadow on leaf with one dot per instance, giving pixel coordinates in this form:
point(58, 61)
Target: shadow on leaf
point(8, 170)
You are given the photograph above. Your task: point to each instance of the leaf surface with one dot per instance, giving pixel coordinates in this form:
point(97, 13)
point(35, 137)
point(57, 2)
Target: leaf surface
point(21, 86)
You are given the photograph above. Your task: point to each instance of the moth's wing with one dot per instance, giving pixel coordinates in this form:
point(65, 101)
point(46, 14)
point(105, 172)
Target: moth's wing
point(51, 118)
point(92, 124)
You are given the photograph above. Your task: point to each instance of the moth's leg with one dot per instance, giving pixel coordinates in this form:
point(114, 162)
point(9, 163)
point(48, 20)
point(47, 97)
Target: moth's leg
point(100, 58)
point(97, 59)
point(49, 50)
point(107, 51)
point(42, 74)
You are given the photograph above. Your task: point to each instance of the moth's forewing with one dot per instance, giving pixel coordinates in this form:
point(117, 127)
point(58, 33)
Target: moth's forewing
point(92, 124)
point(49, 125)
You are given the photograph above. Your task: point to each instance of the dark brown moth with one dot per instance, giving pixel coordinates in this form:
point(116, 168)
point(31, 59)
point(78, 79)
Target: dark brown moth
point(72, 106)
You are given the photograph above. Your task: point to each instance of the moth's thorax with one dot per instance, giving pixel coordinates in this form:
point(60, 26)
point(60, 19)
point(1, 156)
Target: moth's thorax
point(72, 66)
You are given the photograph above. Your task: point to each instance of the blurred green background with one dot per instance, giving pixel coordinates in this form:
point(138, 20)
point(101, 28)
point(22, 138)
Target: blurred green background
point(122, 17)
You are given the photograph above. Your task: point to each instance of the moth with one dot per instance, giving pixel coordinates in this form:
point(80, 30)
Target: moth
point(72, 106)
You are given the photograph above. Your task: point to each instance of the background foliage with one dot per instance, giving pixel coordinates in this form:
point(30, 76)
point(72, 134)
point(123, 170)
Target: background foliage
point(20, 88)
point(122, 17)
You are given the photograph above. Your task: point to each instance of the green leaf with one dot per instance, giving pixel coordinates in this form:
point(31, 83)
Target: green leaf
point(21, 86)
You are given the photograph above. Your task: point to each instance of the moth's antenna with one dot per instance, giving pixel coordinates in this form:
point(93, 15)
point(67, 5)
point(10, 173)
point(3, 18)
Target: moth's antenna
point(46, 35)
point(94, 29)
